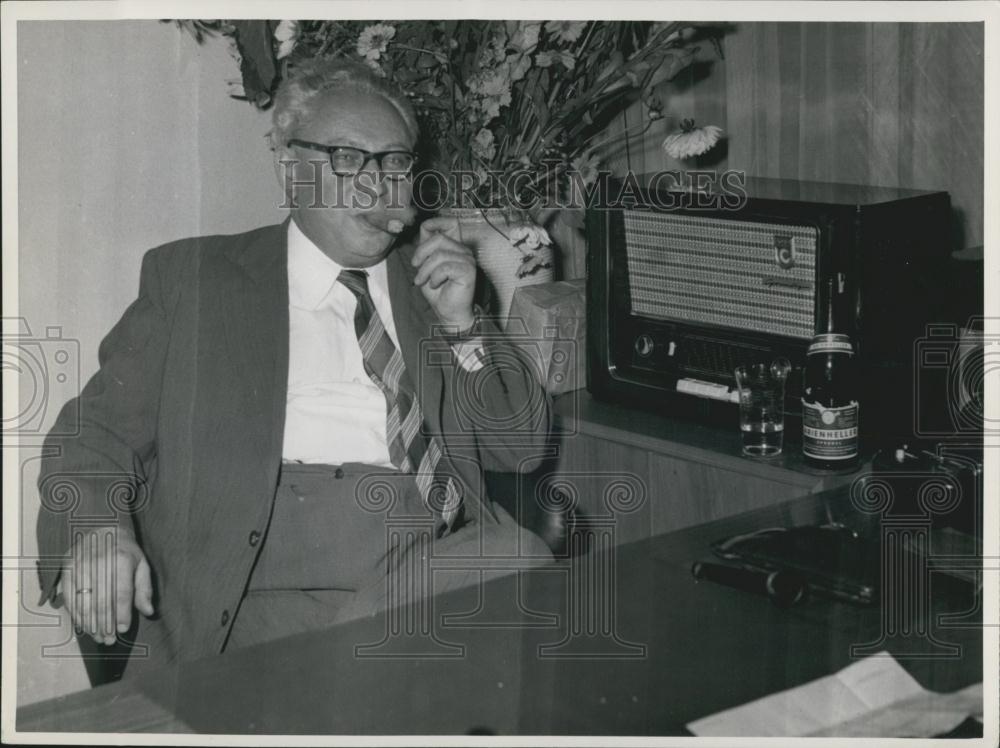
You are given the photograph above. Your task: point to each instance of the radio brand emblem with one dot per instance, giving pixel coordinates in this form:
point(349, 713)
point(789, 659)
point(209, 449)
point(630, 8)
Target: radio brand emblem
point(784, 251)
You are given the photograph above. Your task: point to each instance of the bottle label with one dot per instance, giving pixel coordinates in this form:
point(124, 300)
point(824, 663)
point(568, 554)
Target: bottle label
point(829, 433)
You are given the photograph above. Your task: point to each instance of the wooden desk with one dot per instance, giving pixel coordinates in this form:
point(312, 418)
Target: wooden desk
point(658, 651)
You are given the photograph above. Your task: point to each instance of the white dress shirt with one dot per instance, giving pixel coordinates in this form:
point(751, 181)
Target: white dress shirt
point(335, 413)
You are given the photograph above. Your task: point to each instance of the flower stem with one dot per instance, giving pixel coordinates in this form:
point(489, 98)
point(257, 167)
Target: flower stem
point(623, 134)
point(436, 55)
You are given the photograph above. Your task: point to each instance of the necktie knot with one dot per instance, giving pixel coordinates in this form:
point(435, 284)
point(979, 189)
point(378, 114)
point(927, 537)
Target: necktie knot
point(356, 282)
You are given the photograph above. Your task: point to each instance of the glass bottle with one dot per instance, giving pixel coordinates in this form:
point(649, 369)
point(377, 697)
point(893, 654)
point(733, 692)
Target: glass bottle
point(829, 397)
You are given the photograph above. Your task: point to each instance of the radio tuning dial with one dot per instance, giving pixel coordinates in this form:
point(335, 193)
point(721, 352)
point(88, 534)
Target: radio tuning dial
point(644, 345)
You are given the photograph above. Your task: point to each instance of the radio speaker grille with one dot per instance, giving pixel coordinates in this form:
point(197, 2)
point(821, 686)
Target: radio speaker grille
point(727, 273)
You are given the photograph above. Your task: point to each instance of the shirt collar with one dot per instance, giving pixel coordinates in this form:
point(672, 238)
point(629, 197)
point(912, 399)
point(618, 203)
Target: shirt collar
point(312, 274)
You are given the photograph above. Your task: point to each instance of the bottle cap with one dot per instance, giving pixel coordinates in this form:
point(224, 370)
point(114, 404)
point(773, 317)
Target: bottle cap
point(831, 343)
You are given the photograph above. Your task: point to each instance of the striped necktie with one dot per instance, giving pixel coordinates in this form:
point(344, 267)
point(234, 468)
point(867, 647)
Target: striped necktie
point(407, 445)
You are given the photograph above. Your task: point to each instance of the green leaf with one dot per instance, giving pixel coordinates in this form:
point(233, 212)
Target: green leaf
point(538, 98)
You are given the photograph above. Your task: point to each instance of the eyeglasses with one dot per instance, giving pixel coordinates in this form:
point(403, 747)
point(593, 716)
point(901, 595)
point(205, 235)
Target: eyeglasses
point(346, 161)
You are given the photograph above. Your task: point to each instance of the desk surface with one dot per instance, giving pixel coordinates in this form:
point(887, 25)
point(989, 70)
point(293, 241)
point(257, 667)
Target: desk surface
point(649, 657)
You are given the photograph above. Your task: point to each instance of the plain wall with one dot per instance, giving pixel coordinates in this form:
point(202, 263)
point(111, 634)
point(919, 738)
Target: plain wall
point(126, 140)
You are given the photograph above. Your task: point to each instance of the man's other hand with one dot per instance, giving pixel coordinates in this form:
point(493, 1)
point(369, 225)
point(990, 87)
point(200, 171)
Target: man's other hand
point(105, 575)
point(446, 273)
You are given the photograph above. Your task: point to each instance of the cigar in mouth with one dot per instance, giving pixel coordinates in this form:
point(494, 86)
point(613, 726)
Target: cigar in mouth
point(393, 221)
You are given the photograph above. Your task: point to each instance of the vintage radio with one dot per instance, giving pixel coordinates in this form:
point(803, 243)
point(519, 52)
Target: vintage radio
point(683, 287)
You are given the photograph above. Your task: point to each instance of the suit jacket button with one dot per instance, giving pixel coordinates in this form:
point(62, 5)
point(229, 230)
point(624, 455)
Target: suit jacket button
point(338, 473)
point(225, 617)
point(254, 538)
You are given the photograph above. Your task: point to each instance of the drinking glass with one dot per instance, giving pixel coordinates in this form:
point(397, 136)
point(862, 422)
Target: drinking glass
point(762, 397)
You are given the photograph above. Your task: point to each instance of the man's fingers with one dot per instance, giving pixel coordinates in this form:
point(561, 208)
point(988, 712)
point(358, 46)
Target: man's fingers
point(77, 601)
point(99, 583)
point(439, 225)
point(437, 243)
point(98, 594)
point(429, 266)
point(427, 247)
point(124, 590)
point(444, 272)
point(79, 613)
point(82, 584)
point(103, 596)
point(143, 588)
point(461, 260)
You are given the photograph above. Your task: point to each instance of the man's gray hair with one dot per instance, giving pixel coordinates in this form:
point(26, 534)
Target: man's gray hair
point(295, 99)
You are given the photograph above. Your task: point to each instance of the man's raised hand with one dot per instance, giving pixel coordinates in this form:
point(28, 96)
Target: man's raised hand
point(446, 273)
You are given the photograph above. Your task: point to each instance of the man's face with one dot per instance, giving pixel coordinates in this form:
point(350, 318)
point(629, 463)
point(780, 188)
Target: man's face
point(342, 222)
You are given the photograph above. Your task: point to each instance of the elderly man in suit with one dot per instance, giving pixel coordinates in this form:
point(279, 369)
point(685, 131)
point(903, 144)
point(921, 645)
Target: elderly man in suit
point(220, 479)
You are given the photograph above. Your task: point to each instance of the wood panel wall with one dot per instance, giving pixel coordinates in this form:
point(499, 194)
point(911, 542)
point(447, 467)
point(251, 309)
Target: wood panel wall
point(891, 104)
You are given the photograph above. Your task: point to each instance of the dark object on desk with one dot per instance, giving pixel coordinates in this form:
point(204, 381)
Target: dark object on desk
point(953, 473)
point(833, 560)
point(783, 588)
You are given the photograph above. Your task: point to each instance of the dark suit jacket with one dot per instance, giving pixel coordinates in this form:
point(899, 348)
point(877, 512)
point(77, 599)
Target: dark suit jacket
point(180, 431)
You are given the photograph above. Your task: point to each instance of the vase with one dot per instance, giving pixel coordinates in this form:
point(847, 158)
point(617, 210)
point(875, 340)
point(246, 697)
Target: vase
point(486, 233)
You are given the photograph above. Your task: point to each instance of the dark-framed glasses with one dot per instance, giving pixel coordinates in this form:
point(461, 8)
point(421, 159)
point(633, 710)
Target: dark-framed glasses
point(346, 161)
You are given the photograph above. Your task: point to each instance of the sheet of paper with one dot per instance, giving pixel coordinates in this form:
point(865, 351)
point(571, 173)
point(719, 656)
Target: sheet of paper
point(921, 716)
point(875, 697)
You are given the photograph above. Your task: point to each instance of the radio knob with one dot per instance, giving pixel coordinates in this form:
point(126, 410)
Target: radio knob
point(644, 345)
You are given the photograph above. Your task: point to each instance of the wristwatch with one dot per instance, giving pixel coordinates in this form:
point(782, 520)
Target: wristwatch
point(475, 331)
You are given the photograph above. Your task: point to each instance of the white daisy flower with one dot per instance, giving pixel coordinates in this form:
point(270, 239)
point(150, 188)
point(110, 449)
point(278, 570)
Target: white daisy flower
point(691, 141)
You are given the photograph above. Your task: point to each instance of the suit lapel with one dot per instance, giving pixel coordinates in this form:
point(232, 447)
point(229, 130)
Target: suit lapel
point(414, 320)
point(254, 305)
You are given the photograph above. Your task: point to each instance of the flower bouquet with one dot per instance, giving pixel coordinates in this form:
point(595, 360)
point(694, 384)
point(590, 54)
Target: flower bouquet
point(513, 114)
